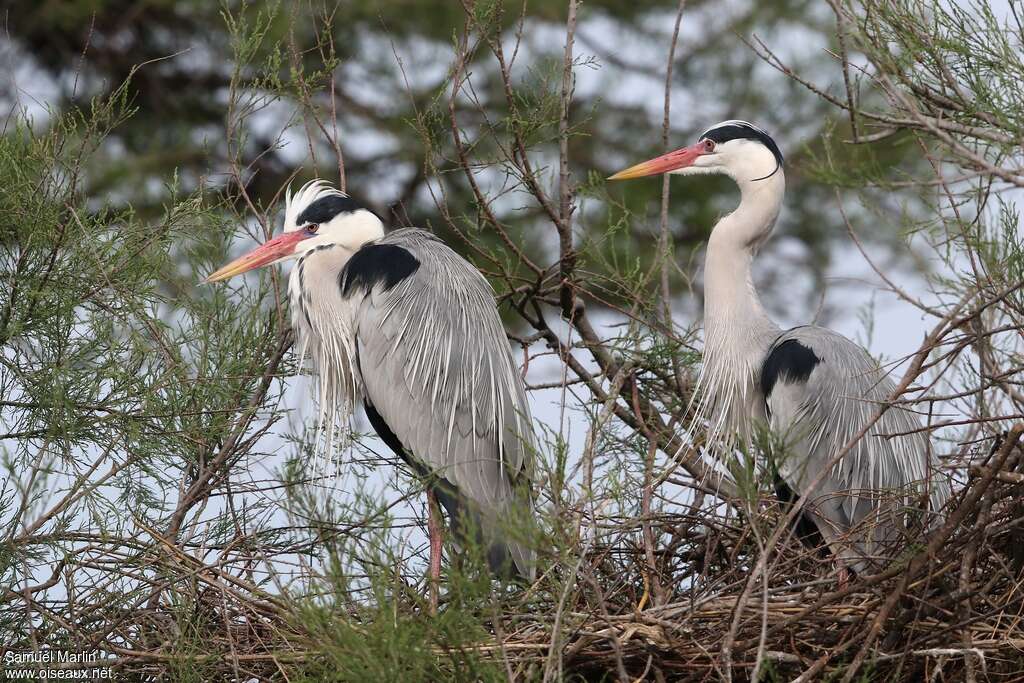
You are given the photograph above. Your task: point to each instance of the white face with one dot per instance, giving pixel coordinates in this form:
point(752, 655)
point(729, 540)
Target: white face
point(315, 216)
point(350, 230)
point(741, 159)
point(738, 149)
point(327, 216)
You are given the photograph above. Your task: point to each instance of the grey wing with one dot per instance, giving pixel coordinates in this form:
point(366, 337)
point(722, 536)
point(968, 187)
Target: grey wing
point(820, 390)
point(436, 367)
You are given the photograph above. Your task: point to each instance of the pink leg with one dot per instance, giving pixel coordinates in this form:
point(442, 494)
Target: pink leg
point(434, 530)
point(842, 574)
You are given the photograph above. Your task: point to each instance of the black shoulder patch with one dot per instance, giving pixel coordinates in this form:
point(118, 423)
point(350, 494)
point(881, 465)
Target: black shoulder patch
point(385, 264)
point(326, 208)
point(791, 360)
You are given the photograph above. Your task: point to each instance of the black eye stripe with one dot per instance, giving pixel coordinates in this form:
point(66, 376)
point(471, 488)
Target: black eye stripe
point(741, 130)
point(326, 208)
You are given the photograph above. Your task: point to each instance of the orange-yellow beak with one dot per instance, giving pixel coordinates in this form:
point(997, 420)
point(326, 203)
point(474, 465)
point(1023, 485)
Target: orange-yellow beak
point(681, 158)
point(276, 249)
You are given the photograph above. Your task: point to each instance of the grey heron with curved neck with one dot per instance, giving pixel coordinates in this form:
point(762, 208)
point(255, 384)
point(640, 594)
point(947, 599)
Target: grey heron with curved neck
point(814, 389)
point(408, 326)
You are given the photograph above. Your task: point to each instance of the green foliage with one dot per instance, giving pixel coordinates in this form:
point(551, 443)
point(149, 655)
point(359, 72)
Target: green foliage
point(156, 489)
point(385, 641)
point(118, 376)
point(382, 69)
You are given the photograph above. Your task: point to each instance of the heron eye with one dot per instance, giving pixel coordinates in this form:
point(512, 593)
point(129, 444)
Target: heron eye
point(709, 146)
point(312, 228)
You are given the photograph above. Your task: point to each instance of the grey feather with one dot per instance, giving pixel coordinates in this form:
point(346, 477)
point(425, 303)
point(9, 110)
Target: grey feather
point(815, 389)
point(867, 494)
point(429, 354)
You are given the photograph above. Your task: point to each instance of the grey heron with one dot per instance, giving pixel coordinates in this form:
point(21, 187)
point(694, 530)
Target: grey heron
point(813, 388)
point(402, 322)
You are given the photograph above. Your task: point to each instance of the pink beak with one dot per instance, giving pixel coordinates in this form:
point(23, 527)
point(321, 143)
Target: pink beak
point(680, 158)
point(278, 248)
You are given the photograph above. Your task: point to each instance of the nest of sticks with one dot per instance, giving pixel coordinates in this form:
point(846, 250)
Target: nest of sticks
point(709, 601)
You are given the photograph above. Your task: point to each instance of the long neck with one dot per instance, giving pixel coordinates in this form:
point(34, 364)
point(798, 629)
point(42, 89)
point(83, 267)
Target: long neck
point(730, 298)
point(737, 329)
point(321, 318)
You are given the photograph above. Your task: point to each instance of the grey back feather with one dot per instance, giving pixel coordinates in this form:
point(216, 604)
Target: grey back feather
point(867, 494)
point(431, 356)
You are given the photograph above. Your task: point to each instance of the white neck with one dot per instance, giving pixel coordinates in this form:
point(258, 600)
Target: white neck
point(729, 293)
point(322, 321)
point(737, 329)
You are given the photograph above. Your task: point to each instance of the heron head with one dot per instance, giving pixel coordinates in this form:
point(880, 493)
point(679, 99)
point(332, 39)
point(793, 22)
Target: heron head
point(738, 149)
point(317, 215)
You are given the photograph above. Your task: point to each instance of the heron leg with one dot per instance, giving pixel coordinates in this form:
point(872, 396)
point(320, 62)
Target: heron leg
point(842, 574)
point(434, 531)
